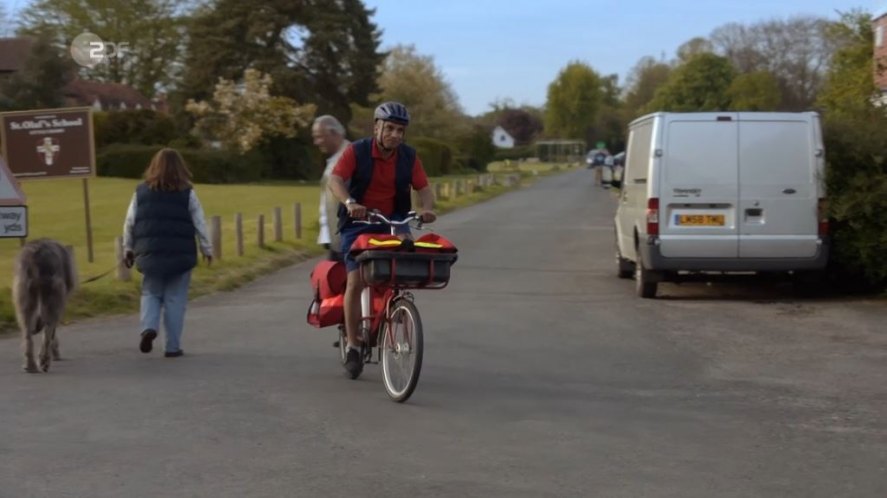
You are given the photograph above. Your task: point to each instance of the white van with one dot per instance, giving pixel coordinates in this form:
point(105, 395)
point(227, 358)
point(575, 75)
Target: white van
point(721, 192)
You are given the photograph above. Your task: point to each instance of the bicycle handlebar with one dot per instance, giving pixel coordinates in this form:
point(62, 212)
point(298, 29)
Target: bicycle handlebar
point(380, 219)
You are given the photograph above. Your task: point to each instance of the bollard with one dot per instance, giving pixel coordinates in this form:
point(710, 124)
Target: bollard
point(278, 225)
point(260, 230)
point(123, 273)
point(216, 237)
point(238, 233)
point(297, 219)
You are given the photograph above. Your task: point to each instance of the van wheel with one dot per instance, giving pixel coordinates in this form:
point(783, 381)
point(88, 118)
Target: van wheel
point(644, 282)
point(626, 267)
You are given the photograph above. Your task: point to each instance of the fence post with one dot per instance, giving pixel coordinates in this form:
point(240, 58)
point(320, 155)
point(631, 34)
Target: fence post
point(297, 219)
point(438, 191)
point(278, 225)
point(238, 232)
point(260, 230)
point(123, 272)
point(216, 231)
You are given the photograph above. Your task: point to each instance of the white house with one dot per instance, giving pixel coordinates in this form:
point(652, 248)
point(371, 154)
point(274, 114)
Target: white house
point(502, 139)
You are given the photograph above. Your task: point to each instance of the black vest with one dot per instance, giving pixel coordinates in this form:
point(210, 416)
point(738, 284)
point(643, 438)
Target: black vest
point(363, 174)
point(163, 235)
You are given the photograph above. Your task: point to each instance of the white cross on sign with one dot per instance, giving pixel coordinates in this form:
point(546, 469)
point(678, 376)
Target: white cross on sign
point(48, 149)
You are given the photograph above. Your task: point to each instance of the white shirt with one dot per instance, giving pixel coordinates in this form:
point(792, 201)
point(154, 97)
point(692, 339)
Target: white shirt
point(323, 235)
point(194, 207)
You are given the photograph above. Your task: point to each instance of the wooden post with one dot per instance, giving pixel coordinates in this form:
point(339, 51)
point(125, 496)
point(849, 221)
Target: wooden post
point(438, 191)
point(260, 230)
point(297, 215)
point(238, 232)
point(123, 272)
point(278, 224)
point(216, 231)
point(453, 191)
point(88, 221)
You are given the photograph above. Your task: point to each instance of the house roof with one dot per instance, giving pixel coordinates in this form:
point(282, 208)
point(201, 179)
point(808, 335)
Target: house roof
point(110, 95)
point(879, 13)
point(14, 52)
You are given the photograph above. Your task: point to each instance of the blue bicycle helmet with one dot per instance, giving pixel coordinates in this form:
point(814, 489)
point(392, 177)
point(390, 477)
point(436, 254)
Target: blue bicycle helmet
point(392, 111)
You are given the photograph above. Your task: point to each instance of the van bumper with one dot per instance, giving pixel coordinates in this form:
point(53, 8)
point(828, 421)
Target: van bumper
point(654, 260)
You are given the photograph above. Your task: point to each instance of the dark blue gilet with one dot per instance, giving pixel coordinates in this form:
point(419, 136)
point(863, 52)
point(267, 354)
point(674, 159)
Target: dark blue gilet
point(163, 235)
point(363, 174)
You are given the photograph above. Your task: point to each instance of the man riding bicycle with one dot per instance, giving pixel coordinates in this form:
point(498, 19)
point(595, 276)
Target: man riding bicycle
point(375, 173)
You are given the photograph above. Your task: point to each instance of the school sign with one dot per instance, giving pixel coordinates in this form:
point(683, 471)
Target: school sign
point(49, 143)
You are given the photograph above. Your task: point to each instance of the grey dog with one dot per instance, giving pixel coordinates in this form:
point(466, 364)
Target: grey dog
point(45, 276)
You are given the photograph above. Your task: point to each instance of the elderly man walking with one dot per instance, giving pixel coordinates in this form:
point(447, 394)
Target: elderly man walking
point(329, 136)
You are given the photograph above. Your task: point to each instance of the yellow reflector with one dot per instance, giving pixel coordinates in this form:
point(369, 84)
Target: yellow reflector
point(376, 242)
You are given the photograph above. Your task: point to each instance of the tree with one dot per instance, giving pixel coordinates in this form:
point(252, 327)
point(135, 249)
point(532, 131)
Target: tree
point(700, 84)
point(795, 51)
point(415, 81)
point(755, 91)
point(147, 35)
point(241, 116)
point(694, 46)
point(40, 82)
point(854, 129)
point(644, 79)
point(574, 101)
point(320, 52)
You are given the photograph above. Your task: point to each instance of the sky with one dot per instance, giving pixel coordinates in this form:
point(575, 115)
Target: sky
point(491, 50)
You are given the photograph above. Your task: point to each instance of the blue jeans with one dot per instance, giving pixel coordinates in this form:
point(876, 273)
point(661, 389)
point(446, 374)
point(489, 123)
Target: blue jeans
point(169, 294)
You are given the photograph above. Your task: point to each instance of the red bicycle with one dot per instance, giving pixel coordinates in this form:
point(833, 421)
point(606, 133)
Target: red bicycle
point(390, 326)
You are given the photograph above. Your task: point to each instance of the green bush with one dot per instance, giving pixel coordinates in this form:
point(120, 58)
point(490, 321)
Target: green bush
point(516, 153)
point(436, 156)
point(207, 166)
point(475, 149)
point(142, 126)
point(856, 178)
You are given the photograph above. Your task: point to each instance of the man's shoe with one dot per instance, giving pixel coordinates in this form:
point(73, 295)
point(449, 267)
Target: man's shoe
point(173, 354)
point(147, 342)
point(353, 363)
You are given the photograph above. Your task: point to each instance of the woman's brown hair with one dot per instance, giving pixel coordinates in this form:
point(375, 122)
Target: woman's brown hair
point(168, 172)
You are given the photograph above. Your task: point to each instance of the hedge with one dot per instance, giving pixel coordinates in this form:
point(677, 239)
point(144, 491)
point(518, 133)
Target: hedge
point(436, 156)
point(130, 161)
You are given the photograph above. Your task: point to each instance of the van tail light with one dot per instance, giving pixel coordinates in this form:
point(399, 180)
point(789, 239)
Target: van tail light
point(653, 216)
point(822, 216)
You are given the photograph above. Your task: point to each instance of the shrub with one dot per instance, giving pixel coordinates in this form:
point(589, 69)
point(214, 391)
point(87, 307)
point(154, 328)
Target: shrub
point(142, 126)
point(522, 152)
point(436, 156)
point(207, 166)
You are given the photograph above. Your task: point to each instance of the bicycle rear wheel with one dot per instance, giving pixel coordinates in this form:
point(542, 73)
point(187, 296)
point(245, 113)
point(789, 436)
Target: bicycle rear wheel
point(402, 345)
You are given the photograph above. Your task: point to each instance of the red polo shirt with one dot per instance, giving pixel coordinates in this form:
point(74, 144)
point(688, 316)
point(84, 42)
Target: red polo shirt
point(380, 192)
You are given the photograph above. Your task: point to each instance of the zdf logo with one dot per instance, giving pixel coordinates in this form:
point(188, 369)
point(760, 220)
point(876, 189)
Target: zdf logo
point(89, 50)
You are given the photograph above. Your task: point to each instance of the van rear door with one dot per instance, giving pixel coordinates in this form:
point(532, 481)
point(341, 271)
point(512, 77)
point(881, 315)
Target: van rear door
point(698, 186)
point(777, 187)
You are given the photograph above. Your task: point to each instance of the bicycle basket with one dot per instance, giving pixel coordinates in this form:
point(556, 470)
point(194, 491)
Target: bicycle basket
point(406, 270)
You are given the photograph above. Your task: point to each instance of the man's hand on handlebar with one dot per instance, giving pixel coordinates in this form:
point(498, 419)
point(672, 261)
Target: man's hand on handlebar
point(357, 211)
point(427, 216)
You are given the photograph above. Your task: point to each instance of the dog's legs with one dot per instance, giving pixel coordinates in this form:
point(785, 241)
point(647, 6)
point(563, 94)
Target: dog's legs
point(44, 356)
point(56, 356)
point(29, 324)
point(28, 345)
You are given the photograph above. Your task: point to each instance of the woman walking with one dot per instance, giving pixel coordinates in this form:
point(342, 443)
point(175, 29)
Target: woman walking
point(158, 237)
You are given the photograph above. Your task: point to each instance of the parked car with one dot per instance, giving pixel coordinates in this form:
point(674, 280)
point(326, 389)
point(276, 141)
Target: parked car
point(721, 192)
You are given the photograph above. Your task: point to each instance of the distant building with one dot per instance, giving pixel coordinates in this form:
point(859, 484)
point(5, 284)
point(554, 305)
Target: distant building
point(103, 96)
point(879, 24)
point(502, 138)
point(13, 54)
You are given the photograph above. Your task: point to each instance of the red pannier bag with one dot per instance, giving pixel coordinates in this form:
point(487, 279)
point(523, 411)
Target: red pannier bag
point(328, 281)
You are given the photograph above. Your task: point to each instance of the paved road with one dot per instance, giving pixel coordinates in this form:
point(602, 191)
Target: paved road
point(543, 376)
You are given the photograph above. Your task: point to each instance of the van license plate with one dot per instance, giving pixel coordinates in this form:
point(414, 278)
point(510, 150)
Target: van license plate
point(701, 220)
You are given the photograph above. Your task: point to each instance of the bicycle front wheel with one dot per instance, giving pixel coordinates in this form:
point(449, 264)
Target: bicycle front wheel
point(402, 345)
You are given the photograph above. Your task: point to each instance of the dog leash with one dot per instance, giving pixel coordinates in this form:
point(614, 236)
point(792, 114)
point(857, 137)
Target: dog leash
point(93, 279)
